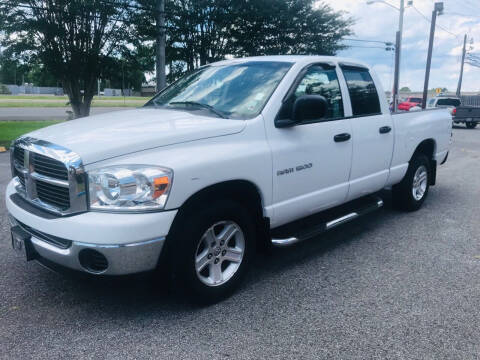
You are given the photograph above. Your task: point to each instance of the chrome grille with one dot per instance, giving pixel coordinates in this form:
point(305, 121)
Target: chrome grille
point(19, 155)
point(21, 177)
point(49, 176)
point(49, 167)
point(52, 194)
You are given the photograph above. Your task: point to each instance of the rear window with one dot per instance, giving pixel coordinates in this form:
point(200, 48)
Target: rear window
point(416, 100)
point(363, 92)
point(448, 102)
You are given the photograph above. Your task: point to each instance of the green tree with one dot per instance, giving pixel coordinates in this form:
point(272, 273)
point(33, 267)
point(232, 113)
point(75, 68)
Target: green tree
point(405, 89)
point(203, 31)
point(280, 27)
point(73, 39)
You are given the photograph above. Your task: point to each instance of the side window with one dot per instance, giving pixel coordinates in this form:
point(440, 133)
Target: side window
point(363, 92)
point(318, 81)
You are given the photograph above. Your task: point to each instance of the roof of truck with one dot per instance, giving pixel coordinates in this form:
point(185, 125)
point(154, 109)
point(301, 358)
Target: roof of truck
point(294, 59)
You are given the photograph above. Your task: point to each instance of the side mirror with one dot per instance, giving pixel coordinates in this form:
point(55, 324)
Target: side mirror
point(309, 107)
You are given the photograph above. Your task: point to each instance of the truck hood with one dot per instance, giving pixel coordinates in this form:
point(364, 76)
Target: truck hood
point(104, 136)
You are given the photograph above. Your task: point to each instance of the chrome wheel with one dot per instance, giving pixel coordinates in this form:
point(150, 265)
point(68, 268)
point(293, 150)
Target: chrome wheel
point(219, 253)
point(420, 180)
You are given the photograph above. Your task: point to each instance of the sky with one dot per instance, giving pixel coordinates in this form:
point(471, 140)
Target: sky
point(380, 22)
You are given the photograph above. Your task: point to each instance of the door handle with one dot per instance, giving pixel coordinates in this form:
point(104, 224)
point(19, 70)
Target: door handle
point(342, 137)
point(384, 129)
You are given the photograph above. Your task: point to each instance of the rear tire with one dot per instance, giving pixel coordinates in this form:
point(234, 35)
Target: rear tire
point(211, 251)
point(471, 125)
point(412, 191)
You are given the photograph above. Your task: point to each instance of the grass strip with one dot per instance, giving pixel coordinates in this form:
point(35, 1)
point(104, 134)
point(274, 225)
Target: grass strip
point(10, 130)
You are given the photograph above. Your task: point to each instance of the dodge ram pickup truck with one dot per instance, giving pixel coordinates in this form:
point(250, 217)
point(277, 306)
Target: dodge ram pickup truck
point(237, 156)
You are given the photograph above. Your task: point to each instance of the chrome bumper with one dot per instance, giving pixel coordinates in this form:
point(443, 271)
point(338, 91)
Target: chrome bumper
point(122, 259)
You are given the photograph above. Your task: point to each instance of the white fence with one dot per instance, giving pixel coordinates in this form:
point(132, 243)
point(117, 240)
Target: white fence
point(37, 90)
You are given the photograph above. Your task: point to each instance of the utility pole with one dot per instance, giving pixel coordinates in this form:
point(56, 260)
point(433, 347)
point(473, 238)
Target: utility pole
point(398, 56)
point(396, 76)
point(459, 87)
point(436, 10)
point(160, 44)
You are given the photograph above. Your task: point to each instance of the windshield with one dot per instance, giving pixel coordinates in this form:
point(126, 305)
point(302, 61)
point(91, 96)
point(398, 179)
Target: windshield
point(238, 91)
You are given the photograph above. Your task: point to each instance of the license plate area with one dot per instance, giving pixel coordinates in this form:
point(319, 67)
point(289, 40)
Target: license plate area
point(22, 243)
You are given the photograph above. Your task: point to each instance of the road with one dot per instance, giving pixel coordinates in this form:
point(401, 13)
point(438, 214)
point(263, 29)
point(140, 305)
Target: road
point(391, 285)
point(47, 113)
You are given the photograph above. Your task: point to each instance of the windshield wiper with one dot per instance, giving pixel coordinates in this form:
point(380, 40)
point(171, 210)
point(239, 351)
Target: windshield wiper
point(205, 106)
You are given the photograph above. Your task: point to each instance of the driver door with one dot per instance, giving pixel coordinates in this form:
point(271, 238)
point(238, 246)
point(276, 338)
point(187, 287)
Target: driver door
point(311, 163)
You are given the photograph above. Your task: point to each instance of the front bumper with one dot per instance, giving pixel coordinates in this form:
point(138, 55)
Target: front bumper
point(131, 243)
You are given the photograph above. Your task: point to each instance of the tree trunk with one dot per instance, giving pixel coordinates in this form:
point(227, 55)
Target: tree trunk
point(79, 102)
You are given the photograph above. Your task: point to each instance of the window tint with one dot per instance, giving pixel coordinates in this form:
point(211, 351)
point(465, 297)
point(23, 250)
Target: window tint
point(448, 102)
point(318, 81)
point(363, 92)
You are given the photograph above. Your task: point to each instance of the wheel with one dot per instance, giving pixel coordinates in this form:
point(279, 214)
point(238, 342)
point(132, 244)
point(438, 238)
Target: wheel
point(471, 125)
point(212, 250)
point(411, 192)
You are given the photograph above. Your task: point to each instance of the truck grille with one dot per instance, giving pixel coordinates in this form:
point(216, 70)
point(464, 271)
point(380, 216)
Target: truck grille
point(50, 167)
point(21, 177)
point(19, 155)
point(44, 178)
point(55, 195)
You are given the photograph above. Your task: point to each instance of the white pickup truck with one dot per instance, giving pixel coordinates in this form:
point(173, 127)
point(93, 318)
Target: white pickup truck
point(235, 156)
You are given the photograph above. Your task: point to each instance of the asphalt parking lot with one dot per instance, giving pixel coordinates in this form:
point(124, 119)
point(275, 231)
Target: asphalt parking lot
point(390, 285)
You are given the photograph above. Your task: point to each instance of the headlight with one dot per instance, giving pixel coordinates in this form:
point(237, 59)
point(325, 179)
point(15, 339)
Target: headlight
point(129, 188)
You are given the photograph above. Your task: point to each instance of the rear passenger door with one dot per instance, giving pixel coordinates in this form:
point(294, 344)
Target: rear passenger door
point(372, 134)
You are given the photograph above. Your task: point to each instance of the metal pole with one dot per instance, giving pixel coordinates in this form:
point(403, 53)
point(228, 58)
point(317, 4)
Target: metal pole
point(398, 56)
point(397, 72)
point(160, 46)
point(429, 58)
point(459, 87)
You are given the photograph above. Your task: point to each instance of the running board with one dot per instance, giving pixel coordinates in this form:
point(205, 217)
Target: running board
point(317, 224)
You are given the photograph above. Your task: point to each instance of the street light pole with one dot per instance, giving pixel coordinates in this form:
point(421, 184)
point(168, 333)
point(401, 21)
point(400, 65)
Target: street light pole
point(437, 9)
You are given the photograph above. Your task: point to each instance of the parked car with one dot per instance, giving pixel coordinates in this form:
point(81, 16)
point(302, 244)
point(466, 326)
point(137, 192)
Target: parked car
point(236, 156)
point(409, 103)
point(468, 115)
point(444, 101)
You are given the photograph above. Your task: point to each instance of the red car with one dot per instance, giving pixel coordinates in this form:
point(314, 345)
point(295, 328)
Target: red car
point(409, 103)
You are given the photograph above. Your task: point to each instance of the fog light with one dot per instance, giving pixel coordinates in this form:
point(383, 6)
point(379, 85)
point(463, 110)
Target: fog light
point(93, 261)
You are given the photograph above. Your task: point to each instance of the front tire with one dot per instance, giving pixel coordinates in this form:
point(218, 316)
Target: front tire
point(412, 191)
point(471, 125)
point(212, 251)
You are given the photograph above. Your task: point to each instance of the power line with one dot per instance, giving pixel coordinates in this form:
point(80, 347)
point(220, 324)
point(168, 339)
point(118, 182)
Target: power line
point(367, 47)
point(464, 15)
point(436, 25)
point(368, 41)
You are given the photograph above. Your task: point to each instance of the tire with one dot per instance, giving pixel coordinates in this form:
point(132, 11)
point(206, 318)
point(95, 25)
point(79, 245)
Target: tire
point(412, 191)
point(471, 125)
point(221, 266)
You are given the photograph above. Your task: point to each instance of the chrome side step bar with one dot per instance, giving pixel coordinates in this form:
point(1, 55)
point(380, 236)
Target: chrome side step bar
point(325, 226)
